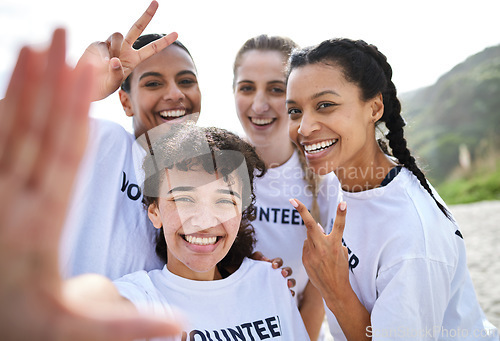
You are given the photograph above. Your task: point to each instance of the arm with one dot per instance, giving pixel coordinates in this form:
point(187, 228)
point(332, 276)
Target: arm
point(326, 263)
point(115, 58)
point(312, 310)
point(42, 139)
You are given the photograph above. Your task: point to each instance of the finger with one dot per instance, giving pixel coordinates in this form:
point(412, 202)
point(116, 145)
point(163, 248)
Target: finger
point(114, 43)
point(277, 263)
point(139, 26)
point(156, 46)
point(257, 255)
point(286, 271)
point(313, 230)
point(339, 223)
point(13, 98)
point(291, 283)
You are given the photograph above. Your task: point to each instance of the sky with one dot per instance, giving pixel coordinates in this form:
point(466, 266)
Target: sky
point(421, 39)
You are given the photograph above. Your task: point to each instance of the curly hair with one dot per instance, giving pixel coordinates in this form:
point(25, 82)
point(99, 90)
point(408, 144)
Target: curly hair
point(184, 148)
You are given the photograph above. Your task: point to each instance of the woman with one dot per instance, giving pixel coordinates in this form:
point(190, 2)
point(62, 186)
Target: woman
point(107, 231)
point(260, 93)
point(199, 195)
point(402, 271)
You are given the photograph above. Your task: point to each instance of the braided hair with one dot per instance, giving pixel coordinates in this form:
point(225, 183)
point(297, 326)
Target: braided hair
point(364, 65)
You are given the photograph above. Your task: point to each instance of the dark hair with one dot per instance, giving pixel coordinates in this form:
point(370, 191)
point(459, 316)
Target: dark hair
point(263, 42)
point(184, 148)
point(143, 41)
point(364, 65)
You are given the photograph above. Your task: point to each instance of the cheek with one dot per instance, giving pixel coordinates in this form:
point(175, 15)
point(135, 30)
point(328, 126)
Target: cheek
point(242, 104)
point(194, 96)
point(279, 106)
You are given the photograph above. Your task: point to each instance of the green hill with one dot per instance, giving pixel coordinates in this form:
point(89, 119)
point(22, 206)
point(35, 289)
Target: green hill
point(461, 108)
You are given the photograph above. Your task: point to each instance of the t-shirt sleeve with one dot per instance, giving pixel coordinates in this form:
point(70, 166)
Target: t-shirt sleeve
point(139, 289)
point(412, 297)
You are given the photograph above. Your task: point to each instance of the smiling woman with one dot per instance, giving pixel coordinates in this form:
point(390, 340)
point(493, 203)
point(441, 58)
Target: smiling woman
point(199, 194)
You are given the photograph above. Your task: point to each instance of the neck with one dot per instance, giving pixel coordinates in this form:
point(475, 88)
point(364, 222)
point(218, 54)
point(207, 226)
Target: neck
point(275, 155)
point(365, 175)
point(181, 270)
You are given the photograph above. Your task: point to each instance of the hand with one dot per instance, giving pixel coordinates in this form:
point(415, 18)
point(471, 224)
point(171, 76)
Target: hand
point(42, 138)
point(115, 58)
point(324, 256)
point(277, 263)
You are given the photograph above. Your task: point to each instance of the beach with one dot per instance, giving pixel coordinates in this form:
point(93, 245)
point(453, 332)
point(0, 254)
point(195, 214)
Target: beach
point(480, 227)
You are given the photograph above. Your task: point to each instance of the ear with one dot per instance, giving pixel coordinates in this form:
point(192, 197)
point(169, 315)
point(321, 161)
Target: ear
point(377, 107)
point(154, 216)
point(126, 102)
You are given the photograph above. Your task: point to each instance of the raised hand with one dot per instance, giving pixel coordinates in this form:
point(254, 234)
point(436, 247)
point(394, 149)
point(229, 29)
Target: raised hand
point(115, 58)
point(42, 138)
point(326, 263)
point(324, 256)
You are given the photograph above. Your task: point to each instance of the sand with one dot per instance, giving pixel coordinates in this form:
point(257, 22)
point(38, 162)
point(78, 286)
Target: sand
point(480, 226)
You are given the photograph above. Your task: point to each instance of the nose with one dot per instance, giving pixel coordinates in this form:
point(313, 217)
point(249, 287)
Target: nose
point(308, 125)
point(260, 103)
point(203, 219)
point(173, 93)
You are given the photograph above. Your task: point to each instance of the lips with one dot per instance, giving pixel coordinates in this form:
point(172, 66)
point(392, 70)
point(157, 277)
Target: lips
point(262, 121)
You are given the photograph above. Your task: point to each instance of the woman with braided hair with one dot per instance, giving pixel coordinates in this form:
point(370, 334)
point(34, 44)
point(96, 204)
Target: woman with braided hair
point(398, 269)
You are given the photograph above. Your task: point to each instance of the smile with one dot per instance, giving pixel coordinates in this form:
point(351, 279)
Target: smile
point(172, 114)
point(318, 147)
point(262, 121)
point(200, 240)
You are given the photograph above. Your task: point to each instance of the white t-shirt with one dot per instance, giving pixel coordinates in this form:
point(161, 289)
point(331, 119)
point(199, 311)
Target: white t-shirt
point(279, 229)
point(253, 303)
point(408, 266)
point(107, 230)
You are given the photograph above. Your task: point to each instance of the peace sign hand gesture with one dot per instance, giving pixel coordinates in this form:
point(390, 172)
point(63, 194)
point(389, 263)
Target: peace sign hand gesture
point(115, 58)
point(326, 263)
point(324, 256)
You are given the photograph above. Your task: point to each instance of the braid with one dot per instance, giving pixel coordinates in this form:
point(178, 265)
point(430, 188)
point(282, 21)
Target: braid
point(395, 123)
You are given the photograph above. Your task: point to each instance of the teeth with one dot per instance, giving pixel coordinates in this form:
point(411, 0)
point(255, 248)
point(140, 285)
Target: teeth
point(316, 147)
point(201, 241)
point(261, 121)
point(172, 113)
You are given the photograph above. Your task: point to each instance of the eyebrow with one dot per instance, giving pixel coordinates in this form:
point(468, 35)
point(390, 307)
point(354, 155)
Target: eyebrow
point(158, 74)
point(227, 191)
point(192, 189)
point(270, 82)
point(316, 95)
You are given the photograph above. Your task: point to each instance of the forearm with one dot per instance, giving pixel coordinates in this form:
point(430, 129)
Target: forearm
point(351, 315)
point(312, 311)
point(95, 290)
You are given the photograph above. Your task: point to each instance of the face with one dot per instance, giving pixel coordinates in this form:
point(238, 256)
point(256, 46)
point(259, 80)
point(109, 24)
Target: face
point(329, 121)
point(163, 88)
point(260, 97)
point(200, 214)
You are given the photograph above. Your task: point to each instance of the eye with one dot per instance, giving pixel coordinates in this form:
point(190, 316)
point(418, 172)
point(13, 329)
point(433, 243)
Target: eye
point(182, 199)
point(294, 113)
point(152, 84)
point(277, 91)
point(245, 88)
point(187, 81)
point(324, 105)
point(227, 202)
